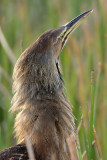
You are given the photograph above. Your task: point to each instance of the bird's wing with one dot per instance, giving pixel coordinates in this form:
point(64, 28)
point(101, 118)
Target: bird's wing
point(18, 152)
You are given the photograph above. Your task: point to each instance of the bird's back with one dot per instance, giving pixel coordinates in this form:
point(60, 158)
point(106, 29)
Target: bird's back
point(18, 152)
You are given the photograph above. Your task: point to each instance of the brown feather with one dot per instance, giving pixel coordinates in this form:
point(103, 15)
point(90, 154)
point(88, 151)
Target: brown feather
point(43, 113)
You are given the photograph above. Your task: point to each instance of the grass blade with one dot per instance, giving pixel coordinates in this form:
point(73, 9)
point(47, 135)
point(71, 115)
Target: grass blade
point(91, 116)
point(86, 139)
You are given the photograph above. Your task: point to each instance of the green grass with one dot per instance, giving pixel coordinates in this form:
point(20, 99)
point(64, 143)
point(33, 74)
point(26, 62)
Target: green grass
point(86, 50)
point(91, 116)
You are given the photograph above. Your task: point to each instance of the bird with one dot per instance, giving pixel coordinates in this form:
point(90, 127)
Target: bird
point(44, 115)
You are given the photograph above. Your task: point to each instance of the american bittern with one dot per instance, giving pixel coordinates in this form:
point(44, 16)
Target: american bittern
point(44, 115)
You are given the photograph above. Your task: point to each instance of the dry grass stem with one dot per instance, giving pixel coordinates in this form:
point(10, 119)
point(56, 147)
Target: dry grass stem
point(80, 124)
point(7, 48)
point(72, 147)
point(5, 91)
point(5, 74)
point(30, 149)
point(83, 155)
point(21, 44)
point(96, 142)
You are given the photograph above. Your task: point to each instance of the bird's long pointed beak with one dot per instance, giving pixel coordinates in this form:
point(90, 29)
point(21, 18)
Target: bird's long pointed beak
point(72, 25)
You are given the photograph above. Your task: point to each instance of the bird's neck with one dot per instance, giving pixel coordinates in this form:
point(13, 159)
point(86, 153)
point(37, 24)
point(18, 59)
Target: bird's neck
point(37, 87)
point(32, 81)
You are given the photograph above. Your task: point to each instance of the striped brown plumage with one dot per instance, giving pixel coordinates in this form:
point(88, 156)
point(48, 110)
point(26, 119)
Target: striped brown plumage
point(17, 152)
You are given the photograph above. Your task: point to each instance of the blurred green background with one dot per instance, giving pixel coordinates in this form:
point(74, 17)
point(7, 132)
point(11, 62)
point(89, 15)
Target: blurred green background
point(22, 21)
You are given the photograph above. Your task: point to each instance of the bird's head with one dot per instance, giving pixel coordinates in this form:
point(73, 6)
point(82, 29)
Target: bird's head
point(53, 41)
point(39, 64)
